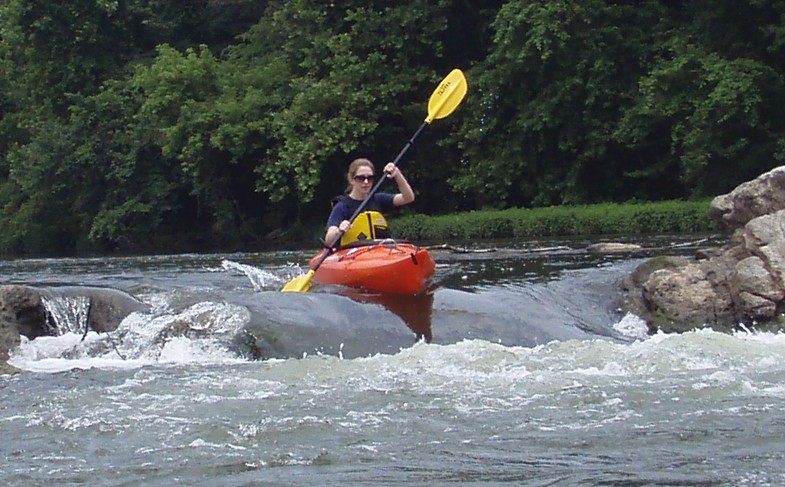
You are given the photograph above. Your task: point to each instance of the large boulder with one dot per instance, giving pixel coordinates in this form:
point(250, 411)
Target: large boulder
point(743, 283)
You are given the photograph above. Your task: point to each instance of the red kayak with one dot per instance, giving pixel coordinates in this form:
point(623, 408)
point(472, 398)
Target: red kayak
point(384, 266)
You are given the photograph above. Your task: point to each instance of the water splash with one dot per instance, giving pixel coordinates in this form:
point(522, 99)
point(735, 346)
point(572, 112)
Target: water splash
point(258, 277)
point(633, 327)
point(199, 333)
point(67, 314)
point(261, 279)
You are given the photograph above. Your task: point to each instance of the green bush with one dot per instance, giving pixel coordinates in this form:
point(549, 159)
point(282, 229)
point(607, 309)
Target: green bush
point(601, 219)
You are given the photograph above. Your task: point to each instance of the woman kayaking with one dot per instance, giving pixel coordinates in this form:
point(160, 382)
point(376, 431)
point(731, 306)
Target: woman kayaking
point(388, 266)
point(370, 224)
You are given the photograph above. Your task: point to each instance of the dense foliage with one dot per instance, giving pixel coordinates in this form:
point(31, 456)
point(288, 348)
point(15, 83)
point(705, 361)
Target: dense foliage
point(171, 124)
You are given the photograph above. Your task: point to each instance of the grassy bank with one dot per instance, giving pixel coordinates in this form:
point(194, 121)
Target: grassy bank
point(602, 219)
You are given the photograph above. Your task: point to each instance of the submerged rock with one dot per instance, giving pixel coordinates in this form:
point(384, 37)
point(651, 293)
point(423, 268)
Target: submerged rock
point(742, 283)
point(613, 248)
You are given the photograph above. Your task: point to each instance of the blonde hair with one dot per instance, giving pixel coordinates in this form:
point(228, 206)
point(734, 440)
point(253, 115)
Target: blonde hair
point(354, 166)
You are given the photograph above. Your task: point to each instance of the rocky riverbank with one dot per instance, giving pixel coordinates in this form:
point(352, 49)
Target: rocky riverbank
point(740, 284)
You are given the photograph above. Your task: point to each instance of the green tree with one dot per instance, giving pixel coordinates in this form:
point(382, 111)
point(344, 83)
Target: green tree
point(605, 101)
point(358, 77)
point(546, 101)
point(78, 165)
point(706, 109)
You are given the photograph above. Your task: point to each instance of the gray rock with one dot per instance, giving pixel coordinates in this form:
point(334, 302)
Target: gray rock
point(21, 313)
point(687, 297)
point(756, 288)
point(632, 298)
point(764, 236)
point(761, 196)
point(741, 283)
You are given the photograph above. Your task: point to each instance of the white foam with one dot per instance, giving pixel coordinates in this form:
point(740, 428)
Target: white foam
point(194, 335)
point(200, 443)
point(184, 350)
point(66, 352)
point(632, 326)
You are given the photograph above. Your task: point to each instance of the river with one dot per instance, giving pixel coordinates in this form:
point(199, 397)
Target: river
point(516, 369)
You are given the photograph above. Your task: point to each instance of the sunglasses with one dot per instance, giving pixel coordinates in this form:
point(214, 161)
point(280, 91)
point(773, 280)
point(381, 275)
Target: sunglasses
point(363, 179)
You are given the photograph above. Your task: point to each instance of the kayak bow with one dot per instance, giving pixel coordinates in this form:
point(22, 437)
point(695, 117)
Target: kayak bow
point(384, 266)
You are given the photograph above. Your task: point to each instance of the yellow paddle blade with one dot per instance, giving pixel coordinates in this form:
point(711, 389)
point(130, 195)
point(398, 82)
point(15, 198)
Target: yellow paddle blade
point(299, 284)
point(448, 96)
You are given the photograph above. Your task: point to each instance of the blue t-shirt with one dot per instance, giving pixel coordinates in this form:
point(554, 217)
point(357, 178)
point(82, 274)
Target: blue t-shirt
point(346, 206)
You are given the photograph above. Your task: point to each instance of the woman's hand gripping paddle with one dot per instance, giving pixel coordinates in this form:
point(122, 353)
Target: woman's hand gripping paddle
point(444, 100)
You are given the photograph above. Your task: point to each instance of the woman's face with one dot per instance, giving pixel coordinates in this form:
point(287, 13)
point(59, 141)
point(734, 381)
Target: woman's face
point(362, 181)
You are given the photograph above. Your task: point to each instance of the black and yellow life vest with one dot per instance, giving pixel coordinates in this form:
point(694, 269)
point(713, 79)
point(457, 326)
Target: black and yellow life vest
point(369, 225)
